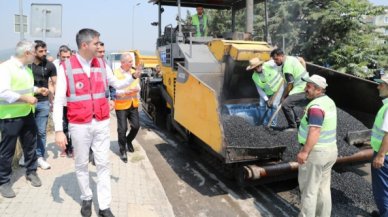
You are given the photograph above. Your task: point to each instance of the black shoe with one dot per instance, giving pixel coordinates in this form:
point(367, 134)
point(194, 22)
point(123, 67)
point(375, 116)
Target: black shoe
point(6, 190)
point(34, 179)
point(105, 213)
point(130, 147)
point(123, 156)
point(86, 209)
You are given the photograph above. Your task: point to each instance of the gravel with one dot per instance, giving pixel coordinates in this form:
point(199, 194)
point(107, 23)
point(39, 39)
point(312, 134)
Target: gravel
point(240, 133)
point(351, 194)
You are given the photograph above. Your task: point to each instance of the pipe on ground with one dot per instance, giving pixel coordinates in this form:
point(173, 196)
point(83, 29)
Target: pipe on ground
point(255, 172)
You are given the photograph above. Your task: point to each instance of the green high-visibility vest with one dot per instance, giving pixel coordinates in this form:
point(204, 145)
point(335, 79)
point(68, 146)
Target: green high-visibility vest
point(195, 22)
point(328, 135)
point(378, 134)
point(292, 66)
point(22, 83)
point(272, 79)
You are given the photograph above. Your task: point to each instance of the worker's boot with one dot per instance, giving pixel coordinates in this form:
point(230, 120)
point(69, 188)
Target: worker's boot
point(129, 145)
point(123, 154)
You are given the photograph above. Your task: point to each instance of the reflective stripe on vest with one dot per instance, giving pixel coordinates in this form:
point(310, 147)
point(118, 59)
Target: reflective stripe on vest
point(272, 77)
point(127, 100)
point(328, 133)
point(21, 92)
point(195, 22)
point(22, 84)
point(86, 98)
point(378, 134)
point(71, 72)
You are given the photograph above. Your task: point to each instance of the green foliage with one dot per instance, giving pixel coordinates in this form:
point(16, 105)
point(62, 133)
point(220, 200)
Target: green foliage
point(327, 32)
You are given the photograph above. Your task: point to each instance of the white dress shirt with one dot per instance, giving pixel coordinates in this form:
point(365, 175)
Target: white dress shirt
point(5, 82)
point(60, 99)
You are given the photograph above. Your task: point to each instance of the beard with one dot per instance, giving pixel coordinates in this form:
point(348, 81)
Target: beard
point(42, 58)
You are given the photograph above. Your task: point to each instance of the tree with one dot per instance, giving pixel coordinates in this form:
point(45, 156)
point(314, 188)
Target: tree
point(327, 32)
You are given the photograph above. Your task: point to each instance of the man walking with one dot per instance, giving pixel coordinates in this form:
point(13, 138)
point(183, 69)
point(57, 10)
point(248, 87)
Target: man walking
point(64, 53)
point(126, 107)
point(84, 90)
point(17, 107)
point(43, 70)
point(379, 143)
point(293, 72)
point(269, 84)
point(317, 135)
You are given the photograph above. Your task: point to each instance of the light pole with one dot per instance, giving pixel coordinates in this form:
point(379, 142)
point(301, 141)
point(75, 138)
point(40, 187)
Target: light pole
point(133, 21)
point(21, 21)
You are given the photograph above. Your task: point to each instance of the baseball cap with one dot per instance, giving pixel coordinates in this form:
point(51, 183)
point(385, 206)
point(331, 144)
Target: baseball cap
point(318, 80)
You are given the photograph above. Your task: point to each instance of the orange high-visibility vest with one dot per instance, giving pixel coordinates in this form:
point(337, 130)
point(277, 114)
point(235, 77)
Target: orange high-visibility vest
point(125, 101)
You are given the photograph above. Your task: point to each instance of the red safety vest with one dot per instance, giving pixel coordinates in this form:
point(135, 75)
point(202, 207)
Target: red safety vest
point(86, 95)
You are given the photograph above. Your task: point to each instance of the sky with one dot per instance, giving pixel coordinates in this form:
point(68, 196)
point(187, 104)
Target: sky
point(112, 18)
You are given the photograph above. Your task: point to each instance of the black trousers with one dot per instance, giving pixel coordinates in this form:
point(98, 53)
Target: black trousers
point(132, 115)
point(25, 128)
point(288, 108)
point(65, 124)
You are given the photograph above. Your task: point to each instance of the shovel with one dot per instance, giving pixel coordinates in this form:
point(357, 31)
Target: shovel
point(277, 110)
point(274, 115)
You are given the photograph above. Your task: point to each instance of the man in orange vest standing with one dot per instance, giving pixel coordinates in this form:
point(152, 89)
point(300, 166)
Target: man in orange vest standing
point(126, 106)
point(84, 87)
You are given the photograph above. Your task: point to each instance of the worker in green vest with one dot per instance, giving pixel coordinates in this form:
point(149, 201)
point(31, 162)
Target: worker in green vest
point(317, 135)
point(17, 107)
point(293, 96)
point(379, 143)
point(200, 21)
point(269, 84)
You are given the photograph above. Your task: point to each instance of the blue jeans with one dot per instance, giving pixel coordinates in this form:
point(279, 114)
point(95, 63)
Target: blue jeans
point(266, 113)
point(41, 117)
point(380, 187)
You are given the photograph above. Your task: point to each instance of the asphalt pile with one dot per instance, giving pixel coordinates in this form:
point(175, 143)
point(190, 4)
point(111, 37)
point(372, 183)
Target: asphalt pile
point(240, 133)
point(351, 195)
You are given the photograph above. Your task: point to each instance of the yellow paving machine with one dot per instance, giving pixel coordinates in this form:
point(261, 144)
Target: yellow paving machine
point(205, 78)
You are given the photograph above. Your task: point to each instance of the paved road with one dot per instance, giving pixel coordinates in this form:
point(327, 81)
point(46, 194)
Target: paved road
point(136, 189)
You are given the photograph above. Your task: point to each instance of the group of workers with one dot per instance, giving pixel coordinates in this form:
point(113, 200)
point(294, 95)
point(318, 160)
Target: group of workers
point(81, 111)
point(316, 128)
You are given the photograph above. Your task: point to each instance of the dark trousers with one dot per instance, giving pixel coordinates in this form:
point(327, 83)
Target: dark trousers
point(132, 114)
point(380, 186)
point(25, 128)
point(69, 146)
point(288, 108)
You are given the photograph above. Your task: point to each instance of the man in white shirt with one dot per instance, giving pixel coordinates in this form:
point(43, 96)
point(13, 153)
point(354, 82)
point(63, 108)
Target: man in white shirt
point(17, 108)
point(84, 91)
